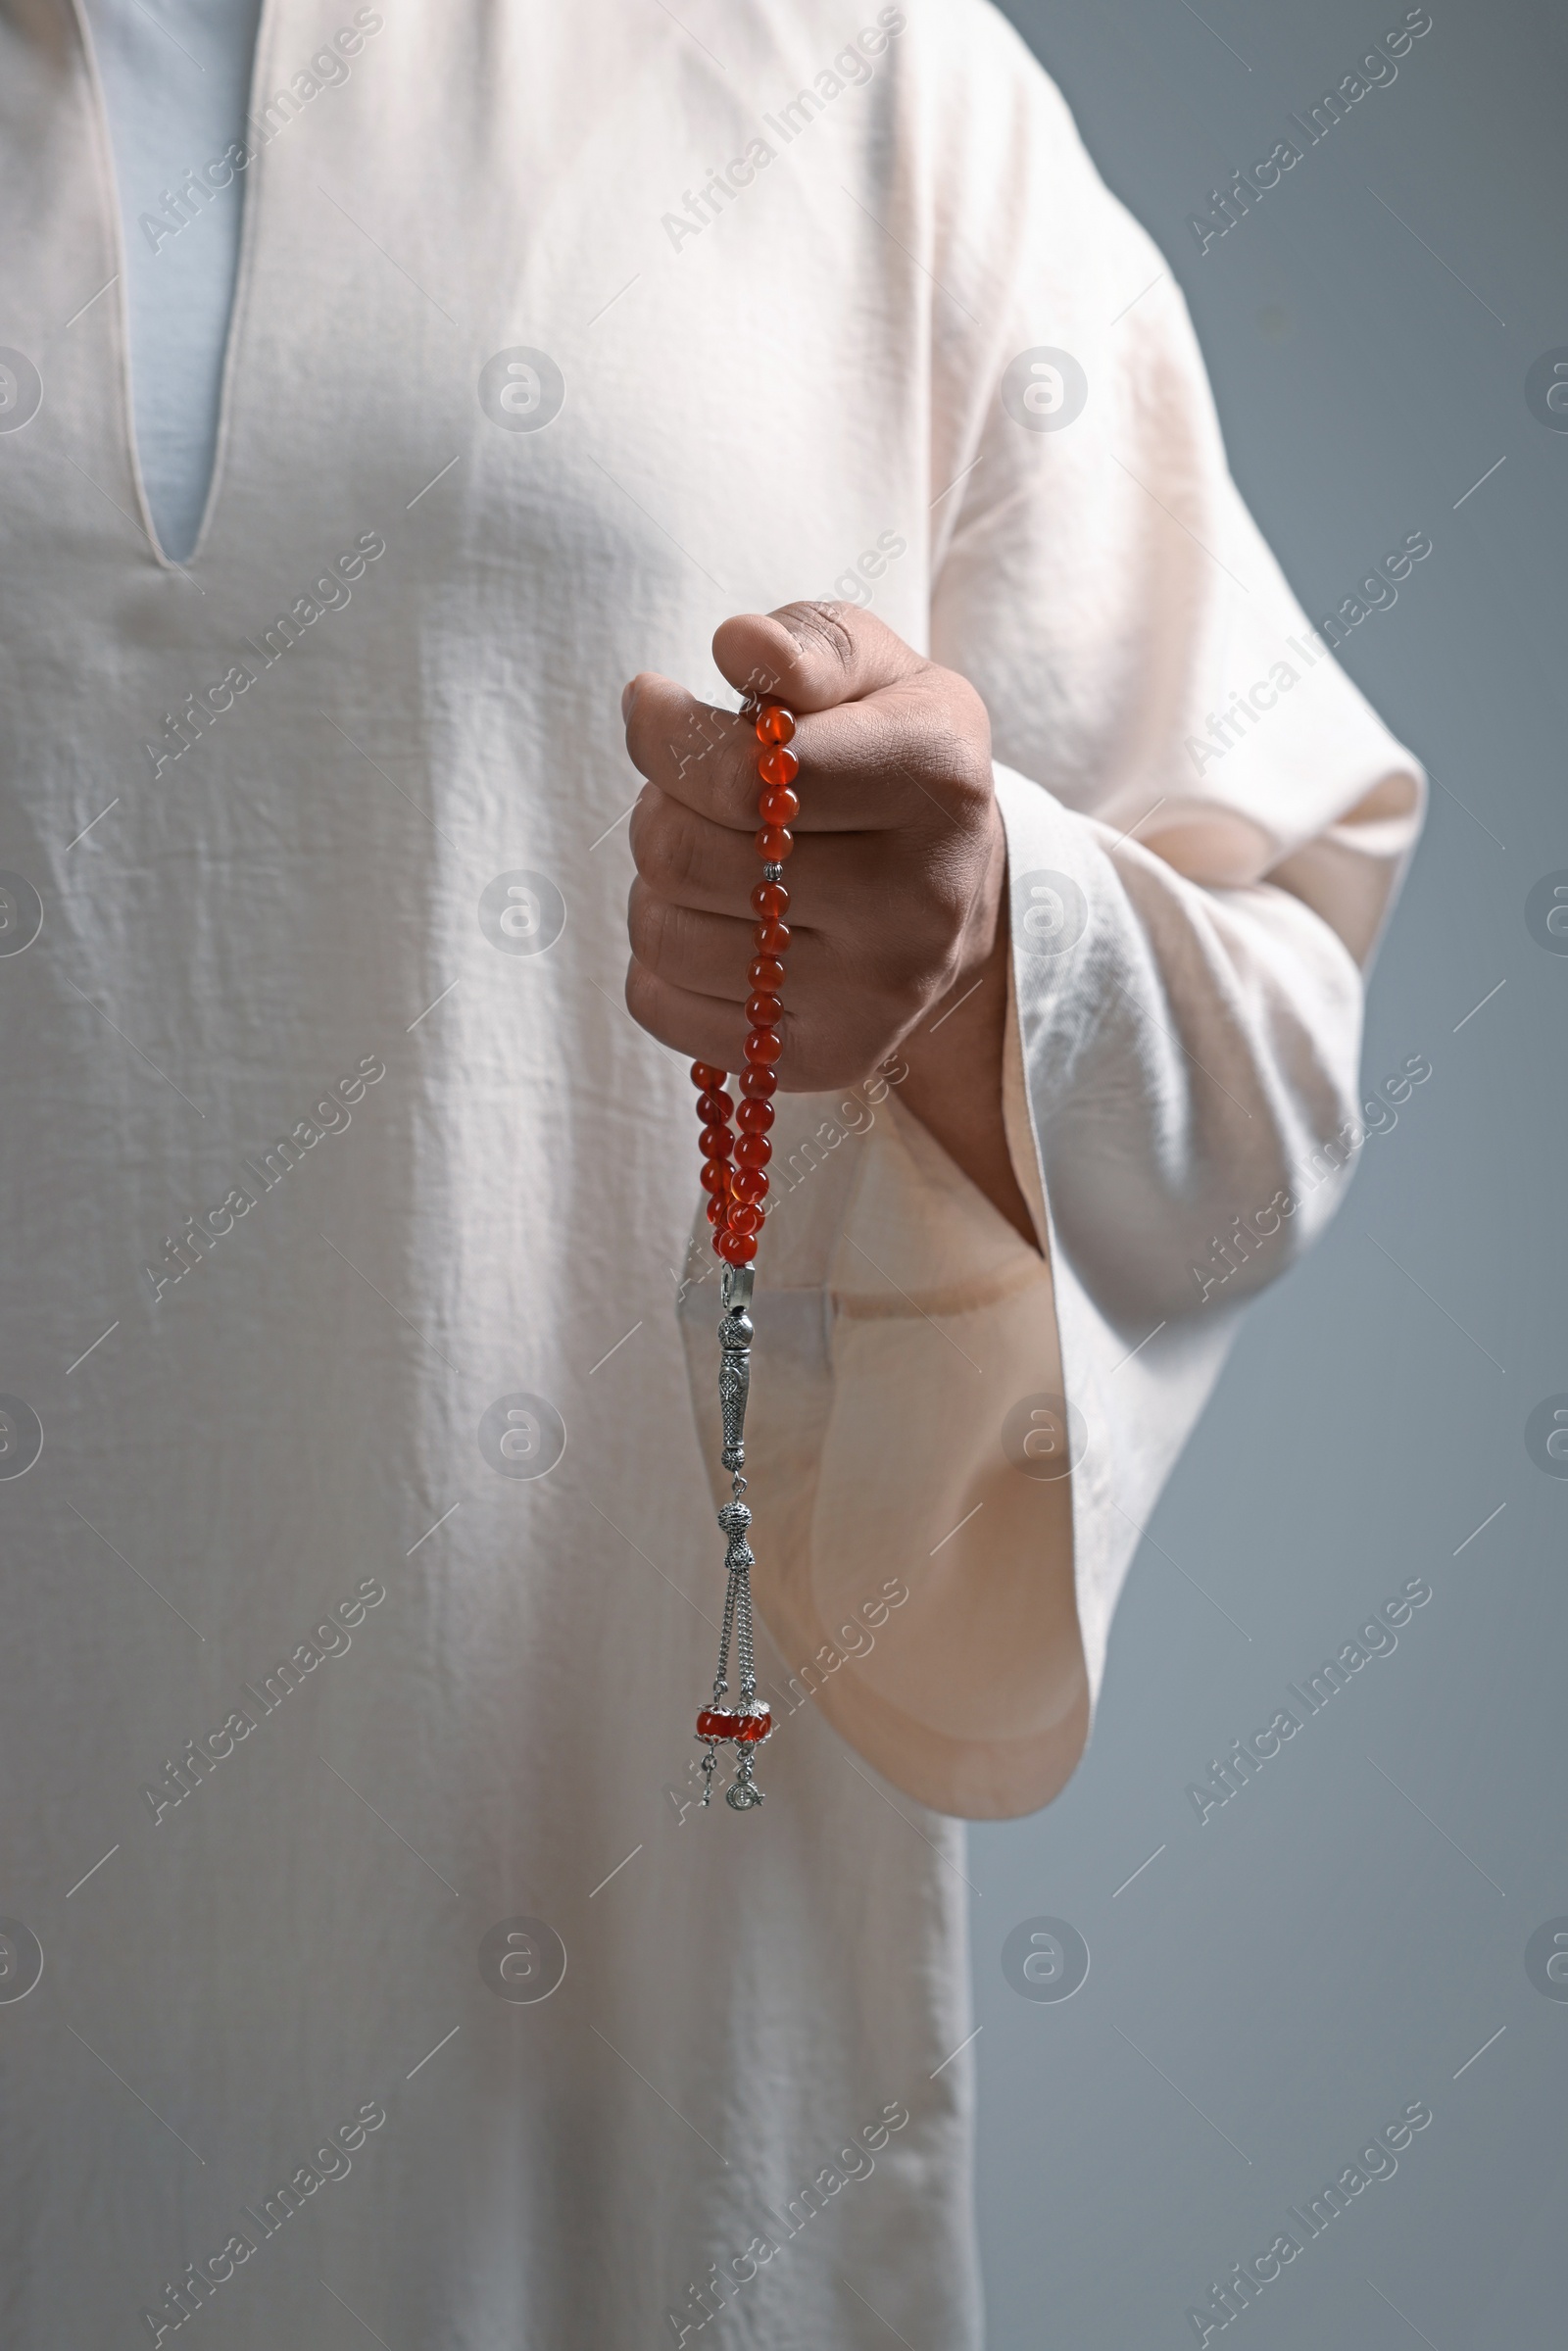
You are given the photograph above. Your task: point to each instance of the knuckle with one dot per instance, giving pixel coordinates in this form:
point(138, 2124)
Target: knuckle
point(904, 995)
point(961, 703)
point(637, 743)
point(911, 972)
point(952, 737)
point(971, 762)
point(648, 726)
point(642, 991)
point(649, 927)
point(664, 845)
point(673, 942)
point(821, 627)
point(647, 818)
point(696, 752)
point(931, 917)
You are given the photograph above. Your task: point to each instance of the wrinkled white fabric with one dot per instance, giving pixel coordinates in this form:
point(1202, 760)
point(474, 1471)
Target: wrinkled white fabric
point(289, 922)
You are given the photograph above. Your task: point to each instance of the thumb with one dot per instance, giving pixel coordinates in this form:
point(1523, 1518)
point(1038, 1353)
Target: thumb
point(811, 656)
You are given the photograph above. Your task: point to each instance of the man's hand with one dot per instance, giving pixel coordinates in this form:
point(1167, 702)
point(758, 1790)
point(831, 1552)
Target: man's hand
point(897, 881)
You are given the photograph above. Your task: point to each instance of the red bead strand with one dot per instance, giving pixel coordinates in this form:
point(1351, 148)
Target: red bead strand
point(734, 1165)
point(735, 1158)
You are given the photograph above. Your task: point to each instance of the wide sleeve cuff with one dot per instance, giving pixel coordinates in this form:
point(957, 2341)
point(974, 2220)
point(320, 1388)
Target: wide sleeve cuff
point(910, 1454)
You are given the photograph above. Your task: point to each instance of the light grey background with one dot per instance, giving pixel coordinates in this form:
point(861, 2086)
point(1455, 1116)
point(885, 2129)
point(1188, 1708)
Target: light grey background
point(1335, 1942)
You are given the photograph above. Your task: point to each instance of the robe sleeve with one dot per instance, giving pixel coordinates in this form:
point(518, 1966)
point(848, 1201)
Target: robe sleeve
point(958, 1438)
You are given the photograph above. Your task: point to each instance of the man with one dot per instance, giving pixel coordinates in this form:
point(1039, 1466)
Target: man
point(380, 1969)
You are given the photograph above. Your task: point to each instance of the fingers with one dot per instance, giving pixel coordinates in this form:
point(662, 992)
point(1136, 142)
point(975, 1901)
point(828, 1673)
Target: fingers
point(704, 757)
point(912, 753)
point(839, 883)
point(895, 844)
point(709, 954)
point(825, 662)
point(702, 1026)
point(702, 954)
point(817, 1053)
point(811, 657)
point(845, 974)
point(710, 946)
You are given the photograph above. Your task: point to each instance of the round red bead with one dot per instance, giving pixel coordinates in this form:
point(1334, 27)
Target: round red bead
point(763, 1011)
point(737, 1249)
point(743, 1216)
point(754, 1150)
point(773, 844)
point(779, 767)
point(714, 1177)
point(775, 723)
point(765, 971)
point(780, 807)
point(770, 938)
point(712, 1106)
point(757, 1083)
point(751, 1184)
point(753, 1726)
point(715, 1143)
point(756, 1117)
point(719, 1206)
point(771, 901)
point(706, 1076)
point(764, 1045)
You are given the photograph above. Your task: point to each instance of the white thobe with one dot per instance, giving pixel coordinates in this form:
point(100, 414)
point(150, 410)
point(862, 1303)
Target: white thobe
point(343, 1197)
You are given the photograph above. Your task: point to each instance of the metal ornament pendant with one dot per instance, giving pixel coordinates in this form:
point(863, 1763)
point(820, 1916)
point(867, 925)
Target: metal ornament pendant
point(747, 1724)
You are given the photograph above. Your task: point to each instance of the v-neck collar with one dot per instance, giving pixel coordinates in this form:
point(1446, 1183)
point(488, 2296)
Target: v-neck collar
point(239, 302)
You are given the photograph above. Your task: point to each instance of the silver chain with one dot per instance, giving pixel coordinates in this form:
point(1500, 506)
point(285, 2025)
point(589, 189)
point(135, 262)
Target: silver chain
point(740, 1584)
